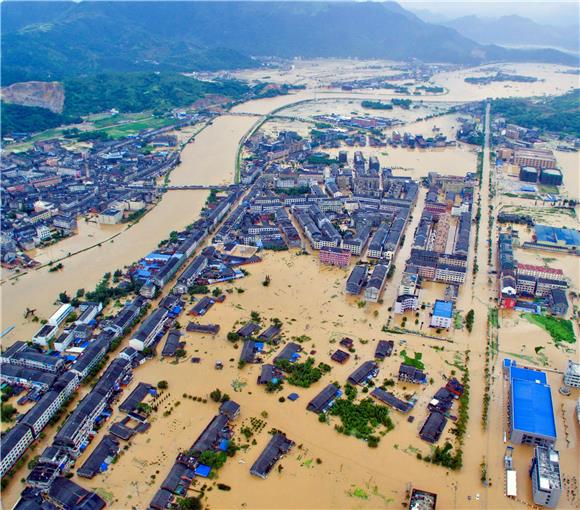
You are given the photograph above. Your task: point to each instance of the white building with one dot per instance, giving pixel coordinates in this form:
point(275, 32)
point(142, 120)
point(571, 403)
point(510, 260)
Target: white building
point(110, 217)
point(63, 341)
point(60, 315)
point(406, 302)
point(44, 335)
point(572, 374)
point(14, 444)
point(442, 314)
point(43, 233)
point(149, 330)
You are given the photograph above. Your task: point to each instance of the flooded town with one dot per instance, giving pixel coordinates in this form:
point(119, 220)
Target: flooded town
point(353, 287)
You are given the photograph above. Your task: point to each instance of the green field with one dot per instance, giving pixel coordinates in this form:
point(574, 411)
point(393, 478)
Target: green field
point(415, 361)
point(561, 330)
point(133, 128)
point(118, 126)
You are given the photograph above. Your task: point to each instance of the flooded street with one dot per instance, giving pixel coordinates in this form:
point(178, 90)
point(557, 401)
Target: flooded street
point(326, 470)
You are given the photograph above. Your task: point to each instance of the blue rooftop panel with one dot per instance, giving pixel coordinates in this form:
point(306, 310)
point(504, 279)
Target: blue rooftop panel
point(532, 408)
point(528, 375)
point(202, 470)
point(545, 233)
point(443, 309)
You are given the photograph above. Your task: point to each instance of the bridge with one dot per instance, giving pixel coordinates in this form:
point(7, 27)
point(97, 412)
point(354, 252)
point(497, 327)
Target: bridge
point(268, 116)
point(195, 187)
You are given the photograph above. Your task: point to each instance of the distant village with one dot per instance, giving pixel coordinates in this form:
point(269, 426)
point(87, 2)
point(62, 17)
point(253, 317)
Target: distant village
point(46, 189)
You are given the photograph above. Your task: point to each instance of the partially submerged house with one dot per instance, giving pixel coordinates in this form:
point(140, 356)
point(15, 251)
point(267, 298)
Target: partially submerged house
point(100, 457)
point(322, 402)
point(411, 374)
point(391, 400)
point(340, 356)
point(364, 373)
point(384, 349)
point(289, 352)
point(270, 374)
point(433, 427)
point(278, 446)
point(248, 330)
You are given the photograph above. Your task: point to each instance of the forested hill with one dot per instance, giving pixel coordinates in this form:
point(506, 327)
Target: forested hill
point(558, 114)
point(52, 40)
point(158, 93)
point(136, 92)
point(125, 92)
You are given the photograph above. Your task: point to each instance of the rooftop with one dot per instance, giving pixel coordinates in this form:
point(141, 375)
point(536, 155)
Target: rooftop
point(548, 462)
point(532, 409)
point(443, 308)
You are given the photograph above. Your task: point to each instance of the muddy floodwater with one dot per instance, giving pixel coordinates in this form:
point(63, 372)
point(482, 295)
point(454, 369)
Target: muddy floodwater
point(326, 470)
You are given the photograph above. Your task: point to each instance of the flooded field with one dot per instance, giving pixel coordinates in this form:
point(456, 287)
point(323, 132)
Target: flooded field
point(569, 163)
point(550, 81)
point(319, 75)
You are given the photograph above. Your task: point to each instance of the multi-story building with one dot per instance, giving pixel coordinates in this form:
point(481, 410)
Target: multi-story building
point(540, 271)
point(449, 273)
point(149, 330)
point(60, 315)
point(14, 443)
point(538, 158)
point(377, 282)
point(409, 281)
point(20, 354)
point(572, 374)
point(334, 256)
point(525, 285)
point(442, 316)
point(546, 478)
point(558, 302)
point(357, 279)
point(406, 302)
point(38, 417)
point(545, 285)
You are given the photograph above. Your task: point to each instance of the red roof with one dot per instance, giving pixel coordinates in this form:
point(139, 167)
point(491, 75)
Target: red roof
point(540, 269)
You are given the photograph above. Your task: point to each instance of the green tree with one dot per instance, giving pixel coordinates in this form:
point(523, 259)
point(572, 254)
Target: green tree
point(216, 395)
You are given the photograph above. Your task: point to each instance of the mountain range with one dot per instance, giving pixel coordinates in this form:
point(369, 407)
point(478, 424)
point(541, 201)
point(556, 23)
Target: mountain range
point(46, 40)
point(516, 31)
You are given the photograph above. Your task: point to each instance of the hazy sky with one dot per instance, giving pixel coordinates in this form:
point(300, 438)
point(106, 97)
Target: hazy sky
point(564, 13)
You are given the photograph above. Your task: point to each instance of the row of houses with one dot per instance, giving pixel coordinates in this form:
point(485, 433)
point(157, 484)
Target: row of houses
point(528, 281)
point(214, 438)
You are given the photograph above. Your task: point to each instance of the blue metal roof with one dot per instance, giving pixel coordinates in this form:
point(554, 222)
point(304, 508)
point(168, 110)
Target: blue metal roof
point(545, 233)
point(532, 409)
point(202, 470)
point(443, 309)
point(528, 375)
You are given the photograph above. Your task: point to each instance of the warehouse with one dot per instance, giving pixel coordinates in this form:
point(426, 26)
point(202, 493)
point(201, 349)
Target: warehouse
point(530, 408)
